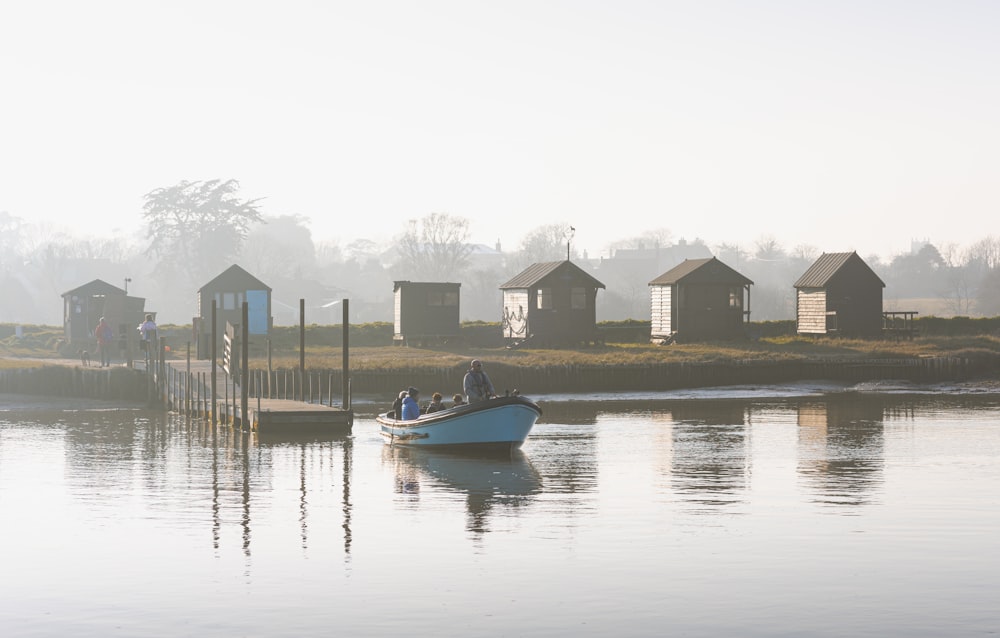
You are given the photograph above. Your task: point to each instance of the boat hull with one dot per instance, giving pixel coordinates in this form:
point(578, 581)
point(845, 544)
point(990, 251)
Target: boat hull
point(495, 424)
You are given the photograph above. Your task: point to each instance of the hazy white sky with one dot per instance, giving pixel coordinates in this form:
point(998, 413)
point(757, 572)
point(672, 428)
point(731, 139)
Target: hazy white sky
point(841, 125)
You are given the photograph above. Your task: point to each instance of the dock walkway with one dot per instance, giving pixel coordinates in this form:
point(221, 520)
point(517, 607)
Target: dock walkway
point(187, 387)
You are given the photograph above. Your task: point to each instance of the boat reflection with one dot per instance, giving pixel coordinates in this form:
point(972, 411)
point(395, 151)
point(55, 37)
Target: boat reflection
point(504, 481)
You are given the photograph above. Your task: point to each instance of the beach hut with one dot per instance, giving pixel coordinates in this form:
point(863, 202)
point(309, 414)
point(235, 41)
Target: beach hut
point(550, 303)
point(839, 294)
point(425, 312)
point(229, 290)
point(84, 306)
point(699, 299)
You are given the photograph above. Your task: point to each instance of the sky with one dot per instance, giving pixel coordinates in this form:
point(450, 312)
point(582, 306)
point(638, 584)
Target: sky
point(841, 125)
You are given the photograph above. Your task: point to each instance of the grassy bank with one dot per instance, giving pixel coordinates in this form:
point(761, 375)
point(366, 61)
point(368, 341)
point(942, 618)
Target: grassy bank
point(953, 337)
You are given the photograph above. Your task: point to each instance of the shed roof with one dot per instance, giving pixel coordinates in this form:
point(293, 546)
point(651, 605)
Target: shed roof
point(709, 270)
point(399, 283)
point(95, 288)
point(236, 275)
point(535, 273)
point(829, 264)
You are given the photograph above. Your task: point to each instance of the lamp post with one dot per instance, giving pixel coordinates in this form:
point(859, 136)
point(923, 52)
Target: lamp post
point(127, 279)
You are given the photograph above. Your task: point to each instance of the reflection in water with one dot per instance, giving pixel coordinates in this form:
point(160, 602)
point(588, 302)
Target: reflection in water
point(710, 460)
point(174, 458)
point(313, 449)
point(841, 448)
point(488, 481)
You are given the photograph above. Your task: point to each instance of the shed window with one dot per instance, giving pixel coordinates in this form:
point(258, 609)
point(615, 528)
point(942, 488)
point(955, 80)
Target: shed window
point(735, 298)
point(545, 299)
point(229, 301)
point(442, 298)
point(578, 298)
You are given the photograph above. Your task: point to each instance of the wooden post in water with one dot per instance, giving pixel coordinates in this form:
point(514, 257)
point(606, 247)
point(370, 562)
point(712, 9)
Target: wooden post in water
point(245, 366)
point(345, 347)
point(302, 348)
point(187, 382)
point(270, 393)
point(214, 414)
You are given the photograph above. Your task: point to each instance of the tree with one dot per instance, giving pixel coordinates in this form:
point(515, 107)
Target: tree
point(544, 243)
point(196, 229)
point(434, 248)
point(280, 248)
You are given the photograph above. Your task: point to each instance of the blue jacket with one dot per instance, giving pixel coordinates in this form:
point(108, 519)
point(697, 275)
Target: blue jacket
point(411, 409)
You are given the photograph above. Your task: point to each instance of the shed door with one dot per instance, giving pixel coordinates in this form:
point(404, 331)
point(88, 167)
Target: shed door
point(257, 312)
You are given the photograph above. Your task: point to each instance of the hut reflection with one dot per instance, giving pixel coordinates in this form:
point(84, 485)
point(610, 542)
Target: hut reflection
point(710, 465)
point(490, 482)
point(841, 448)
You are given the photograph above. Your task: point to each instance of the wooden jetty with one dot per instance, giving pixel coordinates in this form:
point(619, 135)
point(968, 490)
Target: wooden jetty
point(186, 387)
point(206, 389)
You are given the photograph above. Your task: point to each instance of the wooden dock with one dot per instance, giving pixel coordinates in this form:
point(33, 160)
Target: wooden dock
point(186, 387)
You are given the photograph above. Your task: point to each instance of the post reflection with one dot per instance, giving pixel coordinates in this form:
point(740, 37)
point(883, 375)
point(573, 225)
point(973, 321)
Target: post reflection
point(489, 482)
point(841, 448)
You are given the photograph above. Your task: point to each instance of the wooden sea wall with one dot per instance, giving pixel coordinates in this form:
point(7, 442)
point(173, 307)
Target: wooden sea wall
point(116, 383)
point(653, 377)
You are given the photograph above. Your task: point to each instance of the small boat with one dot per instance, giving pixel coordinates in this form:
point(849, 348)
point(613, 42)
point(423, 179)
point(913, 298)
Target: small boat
point(501, 423)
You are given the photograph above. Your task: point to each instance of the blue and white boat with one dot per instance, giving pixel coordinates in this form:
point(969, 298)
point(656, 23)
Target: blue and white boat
point(504, 422)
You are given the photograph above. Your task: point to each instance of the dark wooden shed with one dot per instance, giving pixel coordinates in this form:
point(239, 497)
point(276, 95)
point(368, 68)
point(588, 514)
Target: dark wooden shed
point(550, 303)
point(229, 290)
point(699, 299)
point(83, 307)
point(839, 294)
point(426, 311)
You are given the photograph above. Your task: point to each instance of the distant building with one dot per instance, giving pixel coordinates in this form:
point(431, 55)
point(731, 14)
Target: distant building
point(699, 299)
point(84, 306)
point(426, 311)
point(229, 290)
point(550, 303)
point(839, 294)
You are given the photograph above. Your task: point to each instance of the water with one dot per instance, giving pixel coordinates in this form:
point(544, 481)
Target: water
point(748, 511)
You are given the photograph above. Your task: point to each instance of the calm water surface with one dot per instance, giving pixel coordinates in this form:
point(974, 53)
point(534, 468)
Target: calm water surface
point(730, 512)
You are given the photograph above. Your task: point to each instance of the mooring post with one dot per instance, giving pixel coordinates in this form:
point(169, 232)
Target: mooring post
point(245, 368)
point(345, 347)
point(214, 395)
point(302, 348)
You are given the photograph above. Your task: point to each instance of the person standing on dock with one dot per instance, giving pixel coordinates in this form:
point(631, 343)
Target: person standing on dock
point(104, 336)
point(411, 405)
point(477, 384)
point(147, 336)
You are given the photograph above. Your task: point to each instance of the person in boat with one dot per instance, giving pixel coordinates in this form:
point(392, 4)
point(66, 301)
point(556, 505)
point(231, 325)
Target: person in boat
point(397, 406)
point(411, 405)
point(457, 400)
point(435, 403)
point(477, 384)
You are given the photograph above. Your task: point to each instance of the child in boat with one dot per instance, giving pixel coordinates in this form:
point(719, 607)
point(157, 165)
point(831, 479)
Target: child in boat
point(435, 403)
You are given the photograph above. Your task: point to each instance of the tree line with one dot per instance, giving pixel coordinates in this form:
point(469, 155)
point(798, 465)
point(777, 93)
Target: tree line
point(194, 230)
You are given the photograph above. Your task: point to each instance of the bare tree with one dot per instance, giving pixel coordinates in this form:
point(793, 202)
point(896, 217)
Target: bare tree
point(434, 248)
point(544, 243)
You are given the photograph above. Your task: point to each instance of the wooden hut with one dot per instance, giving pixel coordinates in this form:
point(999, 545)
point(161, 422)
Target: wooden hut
point(425, 311)
point(839, 294)
point(699, 299)
point(550, 303)
point(83, 307)
point(229, 290)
